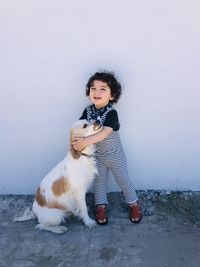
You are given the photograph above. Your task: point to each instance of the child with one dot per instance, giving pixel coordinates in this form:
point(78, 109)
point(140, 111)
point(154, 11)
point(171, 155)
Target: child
point(103, 90)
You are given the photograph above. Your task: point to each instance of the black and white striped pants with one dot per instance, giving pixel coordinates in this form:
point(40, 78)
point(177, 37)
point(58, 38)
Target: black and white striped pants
point(116, 162)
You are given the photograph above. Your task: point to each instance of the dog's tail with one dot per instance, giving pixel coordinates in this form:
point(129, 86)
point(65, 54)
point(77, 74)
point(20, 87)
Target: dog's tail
point(28, 215)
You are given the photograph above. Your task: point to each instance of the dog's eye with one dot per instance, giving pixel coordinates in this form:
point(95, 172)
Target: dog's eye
point(85, 125)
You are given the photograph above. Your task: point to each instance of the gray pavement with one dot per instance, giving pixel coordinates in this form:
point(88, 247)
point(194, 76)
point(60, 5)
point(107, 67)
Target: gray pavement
point(168, 235)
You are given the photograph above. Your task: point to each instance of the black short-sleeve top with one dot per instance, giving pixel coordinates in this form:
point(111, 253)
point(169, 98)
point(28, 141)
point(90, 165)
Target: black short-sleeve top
point(107, 116)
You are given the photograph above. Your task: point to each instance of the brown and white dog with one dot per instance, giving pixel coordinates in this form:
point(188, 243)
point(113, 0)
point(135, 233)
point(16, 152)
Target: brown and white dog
point(63, 189)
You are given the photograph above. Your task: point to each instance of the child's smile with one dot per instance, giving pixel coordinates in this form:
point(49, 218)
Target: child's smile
point(100, 94)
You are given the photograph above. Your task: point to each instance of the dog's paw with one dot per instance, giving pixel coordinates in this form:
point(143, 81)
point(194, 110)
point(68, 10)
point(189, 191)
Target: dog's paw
point(90, 223)
point(58, 229)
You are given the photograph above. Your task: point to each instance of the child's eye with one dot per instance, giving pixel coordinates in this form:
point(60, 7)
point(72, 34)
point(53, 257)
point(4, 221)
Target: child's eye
point(92, 88)
point(103, 89)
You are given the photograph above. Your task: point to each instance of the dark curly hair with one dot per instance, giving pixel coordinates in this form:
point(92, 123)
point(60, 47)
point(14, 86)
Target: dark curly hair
point(110, 79)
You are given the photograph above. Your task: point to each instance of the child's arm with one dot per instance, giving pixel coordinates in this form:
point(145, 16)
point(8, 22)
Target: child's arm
point(79, 143)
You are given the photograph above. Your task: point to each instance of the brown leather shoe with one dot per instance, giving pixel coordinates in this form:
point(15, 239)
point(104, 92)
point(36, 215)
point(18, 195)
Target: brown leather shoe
point(101, 217)
point(135, 214)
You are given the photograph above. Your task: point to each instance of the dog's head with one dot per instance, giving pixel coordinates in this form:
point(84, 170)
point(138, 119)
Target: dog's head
point(82, 128)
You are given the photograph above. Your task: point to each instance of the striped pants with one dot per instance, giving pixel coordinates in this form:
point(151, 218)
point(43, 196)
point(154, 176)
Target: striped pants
point(117, 163)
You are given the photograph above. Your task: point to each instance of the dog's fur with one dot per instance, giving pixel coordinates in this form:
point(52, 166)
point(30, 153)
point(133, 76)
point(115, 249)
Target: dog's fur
point(63, 189)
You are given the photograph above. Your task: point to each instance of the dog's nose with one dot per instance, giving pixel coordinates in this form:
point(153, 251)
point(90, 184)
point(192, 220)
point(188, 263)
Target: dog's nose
point(97, 122)
point(97, 125)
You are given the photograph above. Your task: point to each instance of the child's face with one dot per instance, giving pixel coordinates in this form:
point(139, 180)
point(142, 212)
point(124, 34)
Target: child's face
point(100, 94)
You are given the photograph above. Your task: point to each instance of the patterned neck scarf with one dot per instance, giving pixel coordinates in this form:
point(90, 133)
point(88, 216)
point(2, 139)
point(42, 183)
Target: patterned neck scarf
point(96, 114)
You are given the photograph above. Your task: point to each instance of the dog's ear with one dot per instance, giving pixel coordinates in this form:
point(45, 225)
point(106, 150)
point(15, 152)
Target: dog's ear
point(75, 153)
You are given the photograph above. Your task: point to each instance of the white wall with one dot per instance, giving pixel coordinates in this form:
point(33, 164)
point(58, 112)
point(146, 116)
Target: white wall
point(48, 50)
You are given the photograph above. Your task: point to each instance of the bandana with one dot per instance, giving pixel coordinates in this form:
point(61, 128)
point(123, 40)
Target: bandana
point(96, 114)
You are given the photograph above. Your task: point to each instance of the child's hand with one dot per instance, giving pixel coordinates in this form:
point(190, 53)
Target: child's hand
point(79, 143)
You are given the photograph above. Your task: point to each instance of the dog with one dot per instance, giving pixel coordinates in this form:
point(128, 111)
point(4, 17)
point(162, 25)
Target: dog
point(63, 189)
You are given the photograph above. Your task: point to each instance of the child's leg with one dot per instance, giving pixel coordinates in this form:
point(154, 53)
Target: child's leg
point(101, 193)
point(118, 166)
point(100, 181)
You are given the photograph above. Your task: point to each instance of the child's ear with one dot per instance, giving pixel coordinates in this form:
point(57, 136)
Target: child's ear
point(111, 97)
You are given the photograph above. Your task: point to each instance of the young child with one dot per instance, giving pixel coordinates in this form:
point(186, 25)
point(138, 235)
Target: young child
point(103, 90)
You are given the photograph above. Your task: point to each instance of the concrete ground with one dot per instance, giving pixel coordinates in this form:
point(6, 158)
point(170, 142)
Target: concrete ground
point(168, 235)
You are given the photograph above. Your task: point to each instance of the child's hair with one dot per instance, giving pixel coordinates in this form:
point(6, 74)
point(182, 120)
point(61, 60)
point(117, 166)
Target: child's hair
point(109, 78)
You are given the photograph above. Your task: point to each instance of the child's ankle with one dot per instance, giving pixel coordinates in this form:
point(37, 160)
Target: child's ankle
point(101, 206)
point(133, 204)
